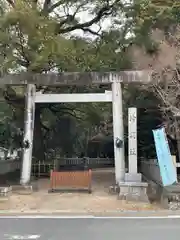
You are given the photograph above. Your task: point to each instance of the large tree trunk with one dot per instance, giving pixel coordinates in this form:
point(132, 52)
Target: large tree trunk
point(38, 143)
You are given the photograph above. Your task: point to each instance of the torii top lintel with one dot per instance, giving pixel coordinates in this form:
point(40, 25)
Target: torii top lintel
point(76, 78)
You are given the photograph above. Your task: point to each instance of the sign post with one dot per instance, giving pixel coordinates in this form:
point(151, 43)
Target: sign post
point(165, 161)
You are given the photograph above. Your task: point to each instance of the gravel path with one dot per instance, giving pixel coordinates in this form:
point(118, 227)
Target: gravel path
point(99, 201)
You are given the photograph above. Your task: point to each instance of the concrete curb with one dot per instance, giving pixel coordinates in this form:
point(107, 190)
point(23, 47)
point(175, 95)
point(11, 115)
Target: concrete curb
point(162, 213)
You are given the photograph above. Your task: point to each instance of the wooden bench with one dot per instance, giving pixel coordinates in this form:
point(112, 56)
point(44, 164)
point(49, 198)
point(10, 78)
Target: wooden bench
point(70, 180)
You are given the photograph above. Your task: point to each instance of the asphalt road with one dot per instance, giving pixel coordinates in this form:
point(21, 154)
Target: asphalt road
point(90, 229)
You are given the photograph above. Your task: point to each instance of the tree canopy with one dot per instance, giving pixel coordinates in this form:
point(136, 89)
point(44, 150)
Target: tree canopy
point(67, 35)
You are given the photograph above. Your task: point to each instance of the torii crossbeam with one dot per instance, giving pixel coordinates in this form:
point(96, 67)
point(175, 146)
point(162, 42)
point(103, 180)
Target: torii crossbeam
point(75, 78)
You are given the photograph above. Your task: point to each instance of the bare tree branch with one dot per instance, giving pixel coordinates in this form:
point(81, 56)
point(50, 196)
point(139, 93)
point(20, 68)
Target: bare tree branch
point(168, 91)
point(46, 5)
point(21, 45)
point(35, 2)
point(11, 3)
point(62, 111)
point(91, 31)
point(104, 11)
point(55, 5)
point(45, 127)
point(70, 18)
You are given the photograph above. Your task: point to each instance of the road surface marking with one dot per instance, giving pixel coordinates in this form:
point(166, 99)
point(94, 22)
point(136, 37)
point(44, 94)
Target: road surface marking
point(88, 217)
point(21, 237)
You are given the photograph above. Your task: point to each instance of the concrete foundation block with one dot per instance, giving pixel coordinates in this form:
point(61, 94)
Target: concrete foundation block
point(133, 177)
point(23, 189)
point(133, 191)
point(5, 193)
point(114, 189)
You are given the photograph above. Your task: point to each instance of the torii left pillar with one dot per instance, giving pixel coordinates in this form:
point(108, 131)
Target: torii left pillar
point(118, 130)
point(28, 134)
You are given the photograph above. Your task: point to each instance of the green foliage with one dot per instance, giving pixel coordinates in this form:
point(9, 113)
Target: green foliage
point(39, 37)
point(33, 37)
point(10, 134)
point(156, 13)
point(146, 15)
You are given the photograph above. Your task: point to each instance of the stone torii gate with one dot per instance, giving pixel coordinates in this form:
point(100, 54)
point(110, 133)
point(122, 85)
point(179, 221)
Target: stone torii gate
point(115, 79)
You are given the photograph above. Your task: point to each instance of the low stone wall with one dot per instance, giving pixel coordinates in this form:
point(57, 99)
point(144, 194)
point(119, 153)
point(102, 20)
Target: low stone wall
point(169, 196)
point(9, 166)
point(150, 169)
point(9, 172)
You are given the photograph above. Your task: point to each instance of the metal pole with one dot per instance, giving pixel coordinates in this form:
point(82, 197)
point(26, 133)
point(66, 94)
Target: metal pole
point(118, 130)
point(28, 134)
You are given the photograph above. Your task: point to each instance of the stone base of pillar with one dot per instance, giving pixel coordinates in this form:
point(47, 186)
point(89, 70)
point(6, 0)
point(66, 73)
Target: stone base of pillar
point(23, 189)
point(5, 193)
point(133, 177)
point(133, 191)
point(114, 189)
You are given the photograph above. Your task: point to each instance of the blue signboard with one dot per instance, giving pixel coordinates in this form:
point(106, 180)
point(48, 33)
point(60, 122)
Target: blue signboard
point(166, 165)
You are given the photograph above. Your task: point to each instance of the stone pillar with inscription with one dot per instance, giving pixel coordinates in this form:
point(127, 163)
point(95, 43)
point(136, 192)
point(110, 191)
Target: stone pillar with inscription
point(133, 188)
point(132, 175)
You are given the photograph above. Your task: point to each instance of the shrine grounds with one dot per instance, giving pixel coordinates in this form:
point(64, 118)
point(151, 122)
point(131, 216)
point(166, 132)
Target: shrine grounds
point(100, 201)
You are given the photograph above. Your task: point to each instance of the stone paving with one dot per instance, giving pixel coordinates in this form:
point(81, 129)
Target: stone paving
point(99, 201)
